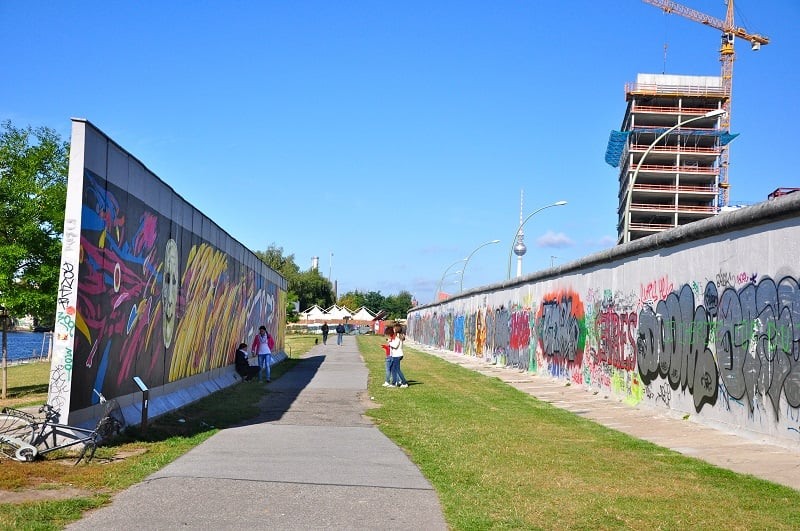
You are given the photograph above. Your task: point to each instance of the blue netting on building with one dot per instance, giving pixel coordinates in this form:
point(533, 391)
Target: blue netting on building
point(616, 145)
point(618, 139)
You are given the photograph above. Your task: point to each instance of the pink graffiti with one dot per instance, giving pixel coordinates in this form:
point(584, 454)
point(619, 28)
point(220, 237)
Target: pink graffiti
point(615, 332)
point(520, 330)
point(656, 290)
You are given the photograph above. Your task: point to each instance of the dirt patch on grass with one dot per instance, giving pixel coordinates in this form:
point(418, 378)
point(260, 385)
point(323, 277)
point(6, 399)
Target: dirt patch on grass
point(38, 495)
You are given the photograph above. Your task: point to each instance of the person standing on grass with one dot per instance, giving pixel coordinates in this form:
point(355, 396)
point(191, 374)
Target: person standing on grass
point(262, 347)
point(387, 382)
point(396, 354)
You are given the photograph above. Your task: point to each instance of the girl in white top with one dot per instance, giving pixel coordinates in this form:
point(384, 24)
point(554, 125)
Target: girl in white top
point(396, 353)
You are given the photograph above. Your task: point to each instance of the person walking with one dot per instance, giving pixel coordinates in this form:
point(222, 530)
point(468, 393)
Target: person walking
point(325, 333)
point(396, 354)
point(262, 347)
point(339, 333)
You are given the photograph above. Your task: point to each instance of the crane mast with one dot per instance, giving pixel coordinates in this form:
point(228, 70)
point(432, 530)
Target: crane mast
point(726, 57)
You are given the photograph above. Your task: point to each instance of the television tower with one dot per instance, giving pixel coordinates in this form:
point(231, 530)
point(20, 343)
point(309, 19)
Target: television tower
point(519, 247)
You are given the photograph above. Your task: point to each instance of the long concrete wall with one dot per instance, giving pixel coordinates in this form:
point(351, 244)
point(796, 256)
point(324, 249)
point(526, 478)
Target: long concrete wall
point(703, 320)
point(149, 288)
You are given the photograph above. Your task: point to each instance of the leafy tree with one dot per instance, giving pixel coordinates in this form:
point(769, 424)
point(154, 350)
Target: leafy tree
point(33, 189)
point(285, 265)
point(397, 306)
point(353, 300)
point(312, 288)
point(374, 300)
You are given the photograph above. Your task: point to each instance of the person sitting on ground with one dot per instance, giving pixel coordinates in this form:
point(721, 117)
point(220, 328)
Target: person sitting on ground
point(243, 367)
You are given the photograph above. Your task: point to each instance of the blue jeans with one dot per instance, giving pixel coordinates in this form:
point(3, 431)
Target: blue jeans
point(388, 369)
point(398, 378)
point(264, 365)
point(338, 338)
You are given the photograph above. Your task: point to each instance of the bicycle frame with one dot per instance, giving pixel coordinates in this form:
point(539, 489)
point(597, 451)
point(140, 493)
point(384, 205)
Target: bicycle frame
point(51, 435)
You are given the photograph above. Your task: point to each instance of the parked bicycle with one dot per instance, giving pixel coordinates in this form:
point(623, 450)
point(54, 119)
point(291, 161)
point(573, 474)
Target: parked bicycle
point(24, 437)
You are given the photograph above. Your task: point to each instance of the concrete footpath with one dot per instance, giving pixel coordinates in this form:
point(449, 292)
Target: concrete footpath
point(726, 449)
point(311, 460)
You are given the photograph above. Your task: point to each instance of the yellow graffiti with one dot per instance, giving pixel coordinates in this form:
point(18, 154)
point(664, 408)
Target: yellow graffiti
point(215, 314)
point(83, 328)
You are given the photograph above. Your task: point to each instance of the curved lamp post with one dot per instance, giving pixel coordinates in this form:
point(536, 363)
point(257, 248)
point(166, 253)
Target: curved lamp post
point(439, 289)
point(627, 212)
point(516, 234)
point(466, 261)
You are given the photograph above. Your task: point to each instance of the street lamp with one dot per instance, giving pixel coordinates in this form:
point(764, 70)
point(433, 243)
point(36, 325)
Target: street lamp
point(4, 318)
point(517, 234)
point(441, 283)
point(439, 289)
point(466, 261)
point(627, 211)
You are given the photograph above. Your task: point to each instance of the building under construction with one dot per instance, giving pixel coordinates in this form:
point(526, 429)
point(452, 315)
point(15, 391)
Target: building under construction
point(674, 123)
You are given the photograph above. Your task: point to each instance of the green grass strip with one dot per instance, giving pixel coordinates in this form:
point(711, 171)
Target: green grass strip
point(501, 459)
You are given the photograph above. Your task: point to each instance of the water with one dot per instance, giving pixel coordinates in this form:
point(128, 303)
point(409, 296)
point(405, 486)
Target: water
point(26, 345)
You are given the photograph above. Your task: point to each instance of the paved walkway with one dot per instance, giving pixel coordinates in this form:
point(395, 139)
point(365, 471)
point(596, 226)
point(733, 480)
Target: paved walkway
point(312, 460)
point(763, 459)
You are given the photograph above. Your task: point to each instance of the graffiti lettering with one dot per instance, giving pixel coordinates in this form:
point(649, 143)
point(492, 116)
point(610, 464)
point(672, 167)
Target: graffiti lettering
point(65, 289)
point(754, 336)
point(615, 339)
point(656, 290)
point(562, 329)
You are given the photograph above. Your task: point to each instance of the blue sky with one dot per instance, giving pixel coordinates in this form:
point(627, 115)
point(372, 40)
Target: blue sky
point(391, 139)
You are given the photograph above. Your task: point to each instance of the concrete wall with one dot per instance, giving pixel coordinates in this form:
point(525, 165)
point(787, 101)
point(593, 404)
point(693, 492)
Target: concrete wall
point(702, 320)
point(149, 287)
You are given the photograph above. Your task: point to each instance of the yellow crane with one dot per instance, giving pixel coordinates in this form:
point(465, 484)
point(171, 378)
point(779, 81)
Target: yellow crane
point(726, 56)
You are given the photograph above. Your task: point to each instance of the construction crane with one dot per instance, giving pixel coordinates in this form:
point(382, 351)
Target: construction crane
point(726, 56)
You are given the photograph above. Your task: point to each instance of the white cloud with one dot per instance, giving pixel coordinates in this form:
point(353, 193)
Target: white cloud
point(553, 239)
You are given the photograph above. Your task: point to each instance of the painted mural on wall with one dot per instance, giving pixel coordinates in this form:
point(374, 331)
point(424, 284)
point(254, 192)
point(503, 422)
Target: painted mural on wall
point(727, 346)
point(154, 299)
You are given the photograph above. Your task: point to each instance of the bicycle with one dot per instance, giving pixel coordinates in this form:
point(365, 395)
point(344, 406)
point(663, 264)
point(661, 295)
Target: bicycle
point(23, 436)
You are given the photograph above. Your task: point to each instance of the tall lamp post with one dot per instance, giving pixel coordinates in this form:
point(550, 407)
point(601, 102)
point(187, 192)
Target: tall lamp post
point(627, 212)
point(4, 318)
point(519, 230)
point(466, 261)
point(439, 289)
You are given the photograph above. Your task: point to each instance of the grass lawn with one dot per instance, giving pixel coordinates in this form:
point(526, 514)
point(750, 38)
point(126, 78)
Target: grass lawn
point(501, 459)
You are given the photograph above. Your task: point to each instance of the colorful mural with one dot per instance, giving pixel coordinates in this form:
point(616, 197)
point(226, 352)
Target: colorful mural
point(143, 293)
point(721, 345)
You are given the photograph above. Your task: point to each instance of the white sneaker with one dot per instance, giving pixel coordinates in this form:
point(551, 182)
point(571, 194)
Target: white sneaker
point(387, 384)
point(404, 385)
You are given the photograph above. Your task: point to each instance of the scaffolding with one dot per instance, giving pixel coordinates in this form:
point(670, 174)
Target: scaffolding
point(671, 172)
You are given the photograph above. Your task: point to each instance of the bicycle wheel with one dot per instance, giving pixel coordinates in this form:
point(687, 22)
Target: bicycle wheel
point(112, 423)
point(13, 430)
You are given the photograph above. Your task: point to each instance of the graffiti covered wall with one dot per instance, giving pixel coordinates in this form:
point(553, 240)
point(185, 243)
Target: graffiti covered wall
point(702, 320)
point(149, 286)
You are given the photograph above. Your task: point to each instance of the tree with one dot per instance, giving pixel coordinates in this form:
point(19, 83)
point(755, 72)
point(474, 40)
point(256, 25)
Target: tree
point(374, 300)
point(352, 300)
point(312, 288)
point(285, 265)
point(397, 306)
point(33, 189)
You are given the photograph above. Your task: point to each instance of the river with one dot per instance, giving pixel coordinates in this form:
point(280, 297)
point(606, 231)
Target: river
point(26, 345)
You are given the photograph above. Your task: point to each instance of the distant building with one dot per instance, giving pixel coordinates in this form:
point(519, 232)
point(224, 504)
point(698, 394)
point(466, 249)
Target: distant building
point(782, 191)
